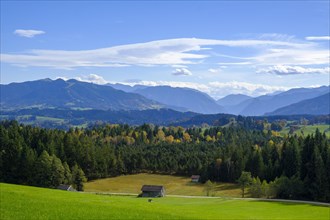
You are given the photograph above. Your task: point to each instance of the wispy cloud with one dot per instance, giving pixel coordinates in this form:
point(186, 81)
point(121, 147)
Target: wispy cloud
point(217, 70)
point(211, 70)
point(28, 33)
point(220, 89)
point(181, 51)
point(214, 89)
point(316, 38)
point(181, 72)
point(290, 56)
point(293, 70)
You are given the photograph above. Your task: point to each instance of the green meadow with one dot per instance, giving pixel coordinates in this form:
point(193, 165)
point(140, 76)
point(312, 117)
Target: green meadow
point(174, 185)
point(308, 130)
point(25, 202)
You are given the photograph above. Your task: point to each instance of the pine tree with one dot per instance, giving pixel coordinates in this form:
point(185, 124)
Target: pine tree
point(290, 158)
point(43, 170)
point(67, 174)
point(57, 172)
point(78, 178)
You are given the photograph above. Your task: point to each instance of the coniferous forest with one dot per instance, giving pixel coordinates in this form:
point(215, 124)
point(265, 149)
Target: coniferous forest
point(292, 167)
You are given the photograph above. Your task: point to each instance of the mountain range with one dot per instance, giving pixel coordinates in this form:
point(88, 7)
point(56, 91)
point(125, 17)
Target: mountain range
point(181, 99)
point(72, 94)
point(77, 95)
point(315, 106)
point(269, 103)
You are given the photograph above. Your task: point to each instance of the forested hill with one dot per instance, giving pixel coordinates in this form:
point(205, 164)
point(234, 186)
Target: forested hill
point(67, 118)
point(295, 167)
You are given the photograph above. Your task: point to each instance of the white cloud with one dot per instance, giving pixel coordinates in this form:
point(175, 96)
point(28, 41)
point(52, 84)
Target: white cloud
point(181, 51)
point(293, 70)
point(285, 56)
point(179, 66)
point(221, 89)
point(214, 89)
point(217, 70)
point(211, 70)
point(317, 38)
point(28, 33)
point(181, 72)
point(91, 78)
point(218, 89)
point(96, 79)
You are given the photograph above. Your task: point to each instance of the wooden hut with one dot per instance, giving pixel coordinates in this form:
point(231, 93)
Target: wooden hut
point(152, 191)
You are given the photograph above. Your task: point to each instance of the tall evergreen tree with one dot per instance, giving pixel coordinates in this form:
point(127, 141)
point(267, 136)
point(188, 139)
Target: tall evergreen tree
point(78, 178)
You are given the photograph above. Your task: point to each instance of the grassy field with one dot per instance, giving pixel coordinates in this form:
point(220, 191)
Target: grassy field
point(308, 129)
point(24, 202)
point(174, 185)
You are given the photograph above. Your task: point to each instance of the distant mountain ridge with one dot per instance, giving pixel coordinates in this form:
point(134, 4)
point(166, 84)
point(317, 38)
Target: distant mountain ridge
point(58, 93)
point(233, 99)
point(268, 103)
point(315, 106)
point(182, 99)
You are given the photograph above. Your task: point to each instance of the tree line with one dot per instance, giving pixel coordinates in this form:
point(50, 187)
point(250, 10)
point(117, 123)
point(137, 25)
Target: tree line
point(48, 157)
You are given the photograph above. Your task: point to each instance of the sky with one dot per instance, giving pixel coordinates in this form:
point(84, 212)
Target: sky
point(217, 47)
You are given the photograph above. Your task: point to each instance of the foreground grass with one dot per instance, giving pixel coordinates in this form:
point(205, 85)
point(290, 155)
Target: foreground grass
point(24, 202)
point(174, 185)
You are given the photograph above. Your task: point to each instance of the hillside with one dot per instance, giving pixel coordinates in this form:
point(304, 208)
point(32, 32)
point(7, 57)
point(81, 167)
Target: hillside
point(24, 202)
point(268, 103)
point(316, 106)
point(184, 98)
point(64, 118)
point(70, 94)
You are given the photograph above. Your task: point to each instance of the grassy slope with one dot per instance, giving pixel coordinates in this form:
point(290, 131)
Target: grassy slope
point(309, 129)
point(23, 202)
point(174, 185)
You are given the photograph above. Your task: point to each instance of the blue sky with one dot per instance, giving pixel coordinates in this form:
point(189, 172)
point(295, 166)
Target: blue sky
point(219, 47)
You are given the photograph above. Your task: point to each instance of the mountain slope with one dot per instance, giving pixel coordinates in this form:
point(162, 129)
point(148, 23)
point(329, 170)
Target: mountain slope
point(316, 106)
point(233, 99)
point(234, 104)
point(70, 94)
point(263, 104)
point(189, 99)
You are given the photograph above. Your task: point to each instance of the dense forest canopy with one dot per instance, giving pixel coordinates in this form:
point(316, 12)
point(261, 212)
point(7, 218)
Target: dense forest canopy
point(49, 157)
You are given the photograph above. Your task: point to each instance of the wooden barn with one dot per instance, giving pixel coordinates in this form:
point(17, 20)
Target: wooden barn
point(195, 178)
point(66, 188)
point(152, 191)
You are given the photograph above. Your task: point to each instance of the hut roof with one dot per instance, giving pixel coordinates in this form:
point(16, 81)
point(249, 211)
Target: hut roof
point(64, 187)
point(151, 188)
point(195, 176)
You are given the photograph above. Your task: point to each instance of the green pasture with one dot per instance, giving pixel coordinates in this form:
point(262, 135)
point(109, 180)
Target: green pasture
point(174, 185)
point(308, 129)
